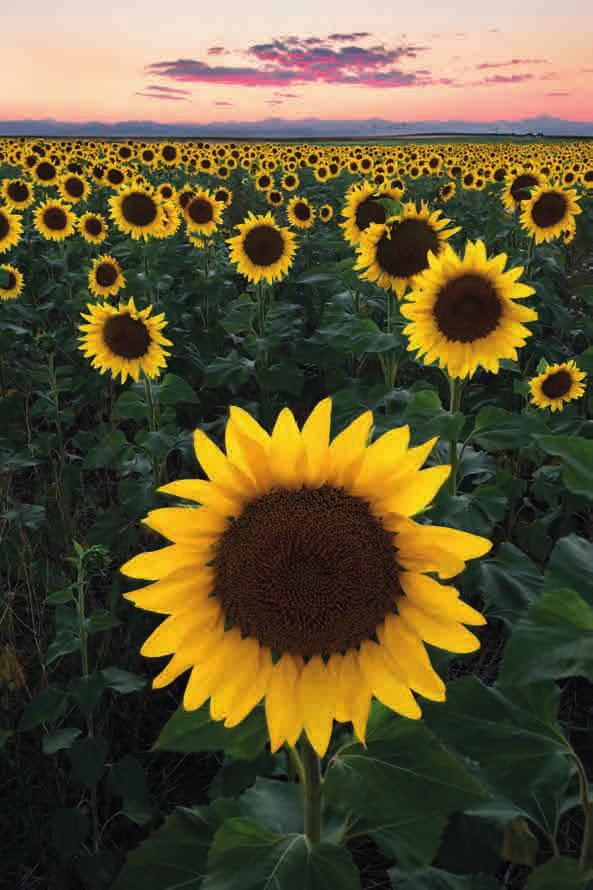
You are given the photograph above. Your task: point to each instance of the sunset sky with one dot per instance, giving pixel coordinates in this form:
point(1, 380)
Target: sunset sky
point(199, 62)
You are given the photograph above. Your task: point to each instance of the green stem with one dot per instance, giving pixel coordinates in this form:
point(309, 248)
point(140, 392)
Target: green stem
point(153, 425)
point(312, 790)
point(295, 764)
point(84, 657)
point(455, 386)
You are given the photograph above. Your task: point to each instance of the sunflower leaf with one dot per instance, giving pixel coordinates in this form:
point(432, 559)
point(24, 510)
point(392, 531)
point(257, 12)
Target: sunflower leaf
point(437, 879)
point(194, 731)
point(577, 461)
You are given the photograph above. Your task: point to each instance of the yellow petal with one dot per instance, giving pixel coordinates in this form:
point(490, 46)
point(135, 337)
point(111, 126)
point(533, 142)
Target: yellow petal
point(205, 493)
point(184, 525)
point(437, 599)
point(346, 452)
point(176, 666)
point(382, 457)
point(355, 693)
point(449, 635)
point(156, 564)
point(385, 478)
point(286, 453)
point(249, 426)
point(251, 696)
point(385, 685)
point(317, 700)
point(241, 665)
point(415, 491)
point(254, 460)
point(205, 676)
point(315, 437)
point(407, 652)
point(219, 468)
point(282, 708)
point(175, 592)
point(169, 635)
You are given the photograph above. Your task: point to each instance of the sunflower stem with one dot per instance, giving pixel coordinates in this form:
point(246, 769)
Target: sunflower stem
point(312, 790)
point(295, 765)
point(455, 386)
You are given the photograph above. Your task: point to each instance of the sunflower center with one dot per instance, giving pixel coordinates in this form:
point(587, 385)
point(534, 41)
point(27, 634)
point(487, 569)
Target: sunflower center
point(45, 170)
point(93, 226)
point(169, 152)
point(4, 226)
point(166, 191)
point(263, 245)
point(17, 191)
point(126, 337)
point(106, 274)
point(138, 209)
point(404, 253)
point(74, 187)
point(557, 385)
point(200, 210)
point(11, 281)
point(306, 572)
point(467, 309)
point(55, 219)
point(520, 185)
point(302, 211)
point(115, 177)
point(369, 211)
point(549, 210)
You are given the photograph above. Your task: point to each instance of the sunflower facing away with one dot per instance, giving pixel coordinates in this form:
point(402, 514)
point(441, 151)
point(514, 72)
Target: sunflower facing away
point(54, 220)
point(556, 385)
point(11, 282)
point(301, 577)
point(463, 313)
point(262, 249)
point(549, 212)
point(394, 253)
point(124, 340)
point(11, 229)
point(106, 278)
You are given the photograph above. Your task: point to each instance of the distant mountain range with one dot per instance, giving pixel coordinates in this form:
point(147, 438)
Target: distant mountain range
point(306, 128)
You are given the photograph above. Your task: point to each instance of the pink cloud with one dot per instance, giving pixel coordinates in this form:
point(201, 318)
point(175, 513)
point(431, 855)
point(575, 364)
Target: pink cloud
point(487, 65)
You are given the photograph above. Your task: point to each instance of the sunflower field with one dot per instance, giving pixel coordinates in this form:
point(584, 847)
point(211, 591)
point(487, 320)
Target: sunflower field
point(296, 517)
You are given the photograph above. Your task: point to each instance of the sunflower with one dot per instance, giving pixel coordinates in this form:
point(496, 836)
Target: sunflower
point(394, 253)
point(92, 227)
point(556, 385)
point(549, 212)
point(264, 182)
point(262, 249)
point(463, 311)
point(517, 188)
point(224, 196)
point(202, 213)
point(300, 213)
point(106, 278)
point(363, 208)
point(124, 340)
point(167, 191)
point(17, 193)
point(275, 197)
point(326, 211)
point(447, 191)
point(136, 211)
point(13, 282)
point(54, 220)
point(73, 188)
point(11, 229)
point(196, 241)
point(170, 221)
point(290, 182)
point(301, 577)
point(45, 173)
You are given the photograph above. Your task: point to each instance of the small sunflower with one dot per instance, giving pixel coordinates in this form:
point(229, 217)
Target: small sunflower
point(463, 311)
point(447, 191)
point(202, 213)
point(54, 220)
point(556, 385)
point(275, 197)
point(290, 182)
point(549, 212)
point(106, 278)
point(326, 212)
point(302, 578)
point(11, 229)
point(13, 282)
point(124, 340)
point(93, 228)
point(300, 213)
point(394, 253)
point(45, 173)
point(73, 188)
point(136, 211)
point(262, 249)
point(17, 193)
point(361, 210)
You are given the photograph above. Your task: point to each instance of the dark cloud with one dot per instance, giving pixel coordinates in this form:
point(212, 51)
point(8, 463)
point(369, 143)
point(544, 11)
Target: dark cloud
point(173, 91)
point(217, 50)
point(162, 96)
point(342, 38)
point(558, 93)
point(487, 65)
point(505, 78)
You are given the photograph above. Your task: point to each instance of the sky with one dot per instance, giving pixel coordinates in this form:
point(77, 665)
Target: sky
point(186, 62)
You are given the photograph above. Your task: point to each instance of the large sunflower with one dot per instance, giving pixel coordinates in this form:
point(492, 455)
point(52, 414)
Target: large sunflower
point(394, 253)
point(463, 311)
point(137, 211)
point(11, 229)
point(556, 385)
point(13, 282)
point(124, 340)
point(203, 214)
point(54, 220)
point(262, 249)
point(549, 212)
point(106, 278)
point(301, 577)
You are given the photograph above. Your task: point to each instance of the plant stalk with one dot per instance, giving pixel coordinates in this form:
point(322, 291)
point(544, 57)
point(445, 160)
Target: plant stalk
point(312, 790)
point(455, 386)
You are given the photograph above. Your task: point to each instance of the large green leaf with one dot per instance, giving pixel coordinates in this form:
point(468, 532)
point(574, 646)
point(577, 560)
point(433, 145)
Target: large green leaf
point(276, 806)
point(245, 856)
point(554, 640)
point(519, 750)
point(401, 788)
point(436, 879)
point(558, 874)
point(571, 565)
point(127, 780)
point(174, 856)
point(498, 430)
point(509, 583)
point(194, 731)
point(577, 461)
